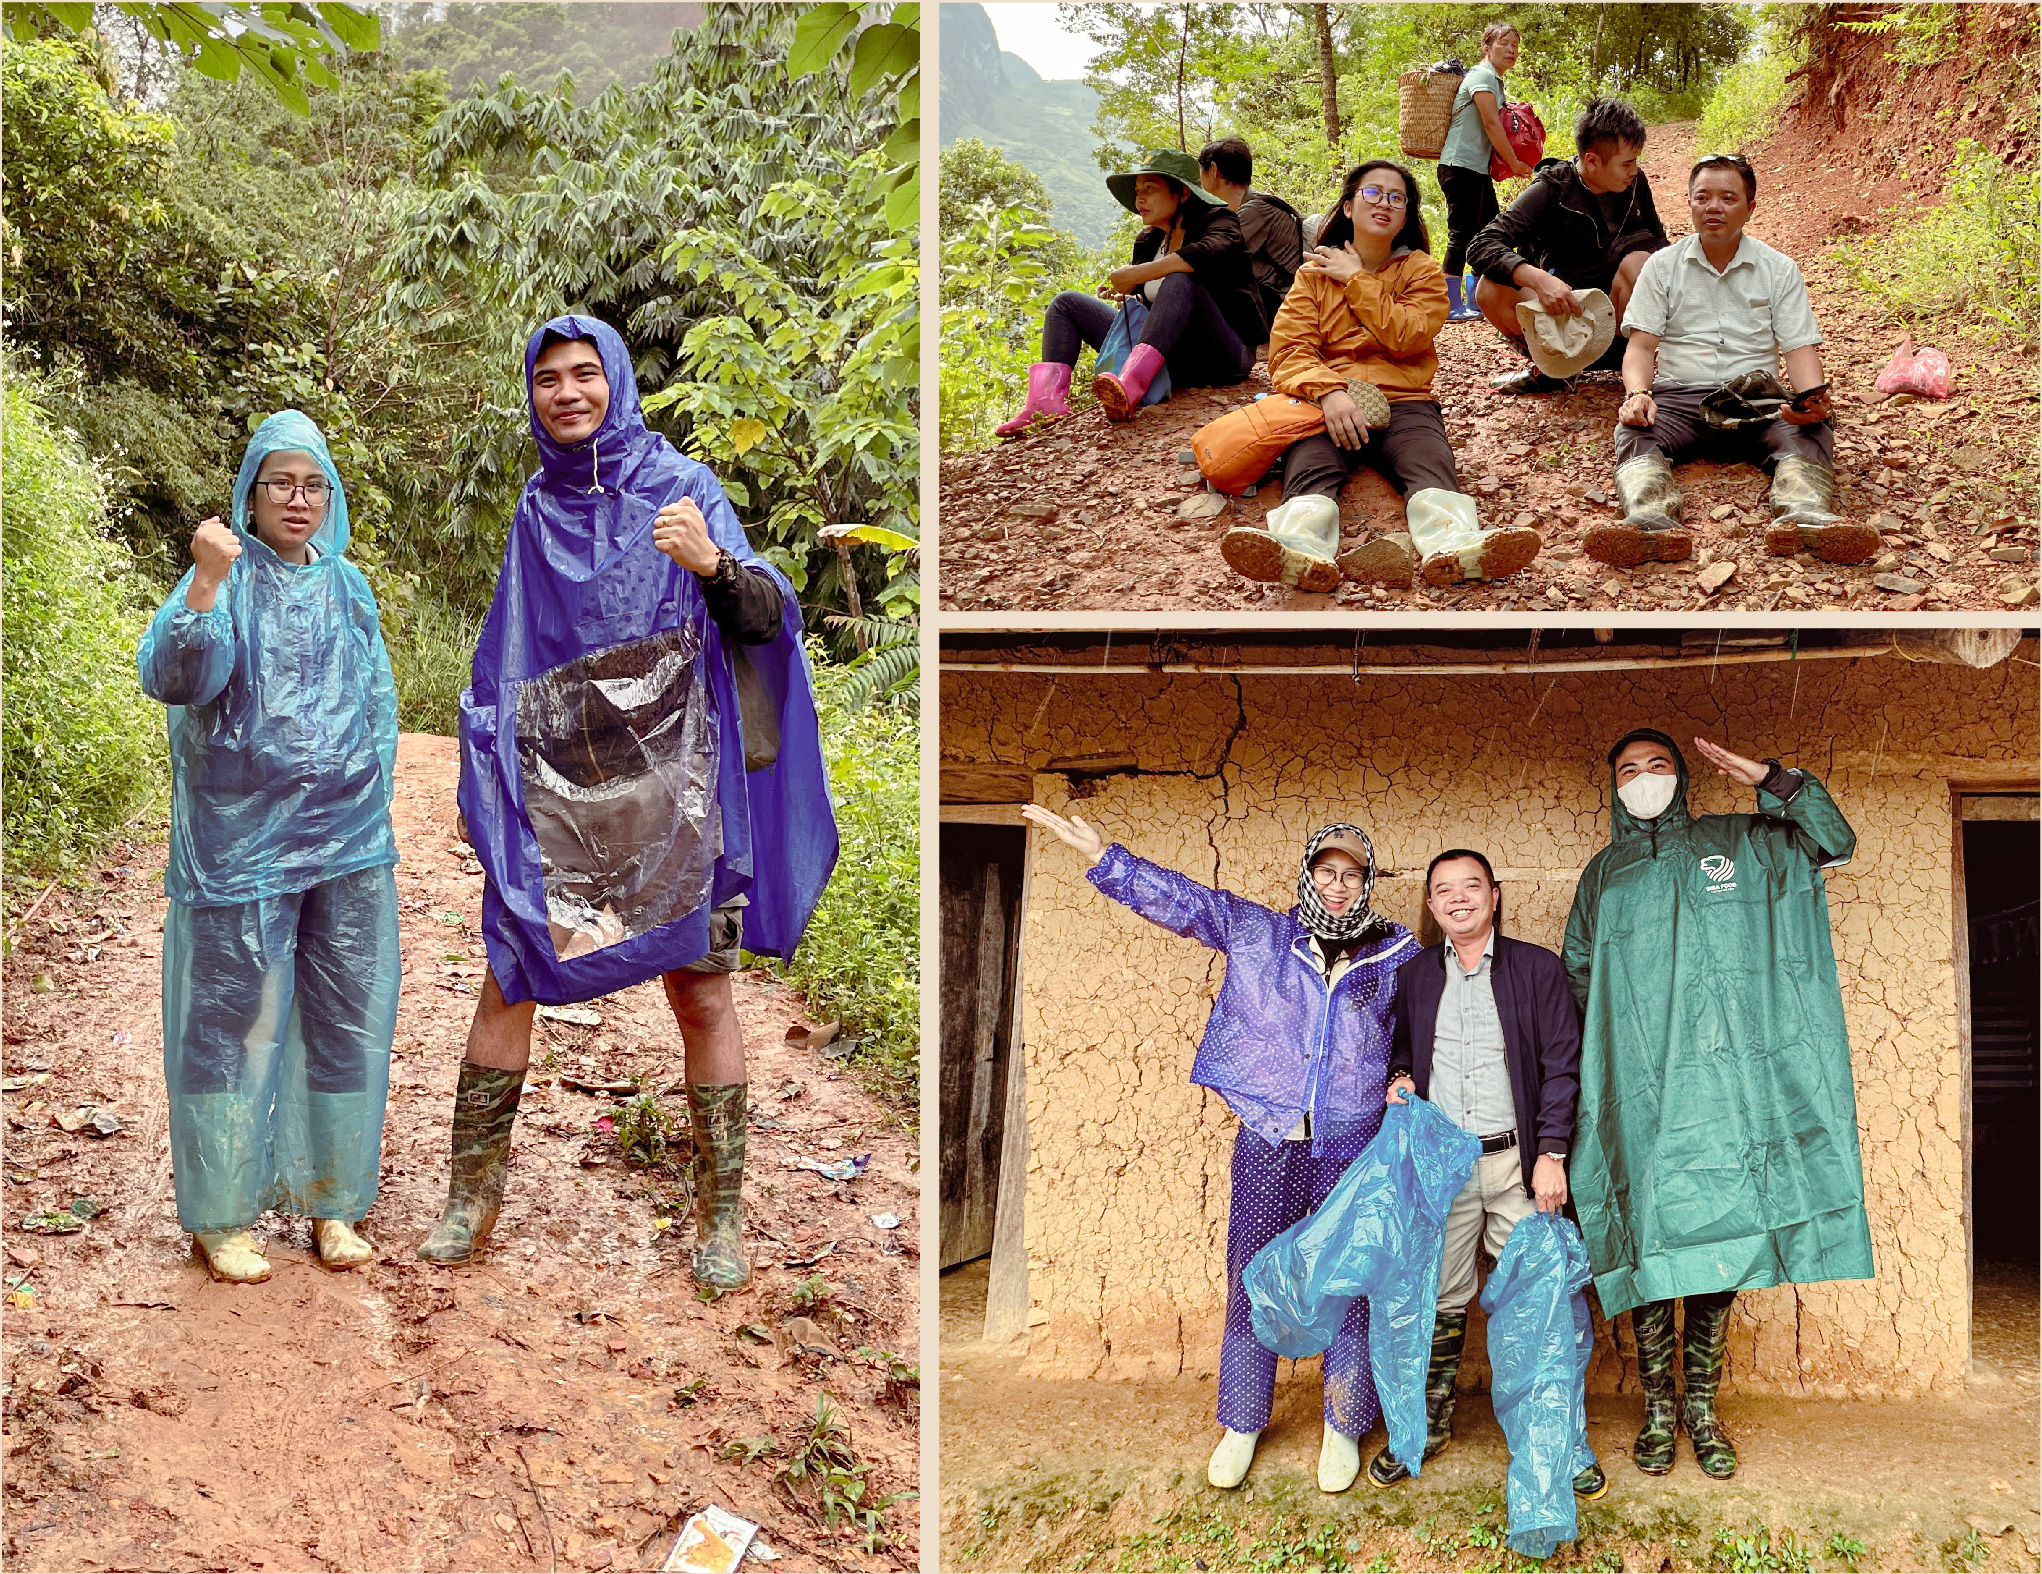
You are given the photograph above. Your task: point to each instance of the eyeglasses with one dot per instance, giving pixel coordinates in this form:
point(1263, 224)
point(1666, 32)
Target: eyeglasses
point(1382, 198)
point(1325, 875)
point(281, 492)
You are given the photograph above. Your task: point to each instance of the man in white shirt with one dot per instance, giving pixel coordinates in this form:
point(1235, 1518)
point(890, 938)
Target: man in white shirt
point(1715, 307)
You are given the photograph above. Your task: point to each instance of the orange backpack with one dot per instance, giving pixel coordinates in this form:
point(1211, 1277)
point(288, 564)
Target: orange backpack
point(1238, 449)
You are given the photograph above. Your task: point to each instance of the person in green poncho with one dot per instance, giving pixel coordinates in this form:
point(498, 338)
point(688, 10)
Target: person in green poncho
point(1716, 1145)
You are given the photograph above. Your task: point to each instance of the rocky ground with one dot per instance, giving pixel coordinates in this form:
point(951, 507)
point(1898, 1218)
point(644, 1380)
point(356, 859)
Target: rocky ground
point(564, 1402)
point(1091, 515)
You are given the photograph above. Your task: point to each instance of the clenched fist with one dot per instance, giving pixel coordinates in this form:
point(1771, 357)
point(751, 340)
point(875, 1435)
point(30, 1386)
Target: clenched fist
point(213, 550)
point(680, 531)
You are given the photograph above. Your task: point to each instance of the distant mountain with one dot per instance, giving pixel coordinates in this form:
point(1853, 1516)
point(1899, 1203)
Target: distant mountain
point(1046, 126)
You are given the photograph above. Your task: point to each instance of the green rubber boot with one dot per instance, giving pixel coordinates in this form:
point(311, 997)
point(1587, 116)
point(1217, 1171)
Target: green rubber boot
point(1652, 1324)
point(1449, 1339)
point(1650, 530)
point(718, 1113)
point(1704, 1342)
point(485, 1108)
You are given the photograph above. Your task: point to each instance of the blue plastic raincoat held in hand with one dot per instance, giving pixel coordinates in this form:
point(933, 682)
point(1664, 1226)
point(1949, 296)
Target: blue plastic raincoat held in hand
point(280, 955)
point(603, 769)
point(1717, 1144)
point(1540, 1338)
point(1379, 1233)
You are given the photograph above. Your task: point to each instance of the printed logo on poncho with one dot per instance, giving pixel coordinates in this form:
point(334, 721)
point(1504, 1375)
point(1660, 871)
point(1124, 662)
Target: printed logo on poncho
point(1719, 869)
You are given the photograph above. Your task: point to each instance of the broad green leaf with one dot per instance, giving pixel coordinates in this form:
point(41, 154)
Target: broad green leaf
point(875, 535)
point(904, 205)
point(887, 50)
point(905, 145)
point(818, 36)
point(354, 26)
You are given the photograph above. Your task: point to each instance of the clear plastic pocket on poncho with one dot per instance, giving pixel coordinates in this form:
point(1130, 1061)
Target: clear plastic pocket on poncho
point(617, 756)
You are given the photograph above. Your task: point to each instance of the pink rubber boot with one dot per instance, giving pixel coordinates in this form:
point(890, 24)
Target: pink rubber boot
point(1049, 390)
point(1120, 393)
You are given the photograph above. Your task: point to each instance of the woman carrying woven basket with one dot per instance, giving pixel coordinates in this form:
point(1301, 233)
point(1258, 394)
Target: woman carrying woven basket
point(1475, 131)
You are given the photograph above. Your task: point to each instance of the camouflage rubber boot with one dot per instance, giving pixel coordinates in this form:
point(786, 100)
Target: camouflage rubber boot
point(1449, 1339)
point(1652, 1324)
point(718, 1112)
point(1704, 1341)
point(1803, 498)
point(485, 1108)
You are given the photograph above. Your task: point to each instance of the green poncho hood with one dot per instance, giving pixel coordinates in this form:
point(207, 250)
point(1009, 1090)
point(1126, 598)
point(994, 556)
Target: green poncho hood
point(1717, 1141)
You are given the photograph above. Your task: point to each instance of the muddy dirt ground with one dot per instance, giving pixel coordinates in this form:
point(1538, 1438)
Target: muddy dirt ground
point(1083, 515)
point(564, 1402)
point(1073, 1475)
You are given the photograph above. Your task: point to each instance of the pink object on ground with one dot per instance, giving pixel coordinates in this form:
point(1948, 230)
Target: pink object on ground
point(1120, 393)
point(1049, 389)
point(1923, 373)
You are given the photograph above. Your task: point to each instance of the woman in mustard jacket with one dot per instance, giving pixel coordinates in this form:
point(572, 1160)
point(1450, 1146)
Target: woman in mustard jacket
point(1355, 337)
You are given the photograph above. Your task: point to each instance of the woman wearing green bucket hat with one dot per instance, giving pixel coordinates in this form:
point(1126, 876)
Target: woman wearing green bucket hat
point(1193, 271)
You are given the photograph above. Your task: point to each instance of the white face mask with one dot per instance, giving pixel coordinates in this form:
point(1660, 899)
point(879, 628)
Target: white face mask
point(1648, 793)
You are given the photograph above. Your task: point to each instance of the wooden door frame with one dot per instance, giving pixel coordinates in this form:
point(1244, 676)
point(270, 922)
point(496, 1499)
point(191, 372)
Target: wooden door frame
point(1985, 782)
point(1007, 1300)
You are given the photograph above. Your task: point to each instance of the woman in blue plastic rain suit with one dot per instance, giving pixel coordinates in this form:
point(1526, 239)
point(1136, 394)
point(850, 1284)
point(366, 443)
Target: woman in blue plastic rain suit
point(280, 954)
point(1298, 1045)
point(641, 775)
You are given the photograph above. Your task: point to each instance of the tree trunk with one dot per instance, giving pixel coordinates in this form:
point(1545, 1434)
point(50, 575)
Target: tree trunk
point(1595, 59)
point(1329, 79)
point(1183, 49)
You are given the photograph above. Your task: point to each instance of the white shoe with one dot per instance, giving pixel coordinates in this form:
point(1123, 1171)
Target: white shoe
point(339, 1246)
point(1339, 1461)
point(232, 1256)
point(1230, 1460)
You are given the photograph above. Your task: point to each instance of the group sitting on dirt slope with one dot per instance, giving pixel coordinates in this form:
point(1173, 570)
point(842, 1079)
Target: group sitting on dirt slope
point(1400, 1105)
point(1577, 275)
point(641, 779)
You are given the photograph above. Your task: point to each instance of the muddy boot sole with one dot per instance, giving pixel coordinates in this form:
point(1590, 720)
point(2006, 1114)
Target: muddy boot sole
point(1501, 553)
point(1384, 561)
point(1839, 543)
point(1257, 555)
point(1626, 546)
point(1112, 397)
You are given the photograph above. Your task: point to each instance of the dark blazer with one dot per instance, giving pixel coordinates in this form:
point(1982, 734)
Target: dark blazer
point(1541, 1037)
point(1219, 261)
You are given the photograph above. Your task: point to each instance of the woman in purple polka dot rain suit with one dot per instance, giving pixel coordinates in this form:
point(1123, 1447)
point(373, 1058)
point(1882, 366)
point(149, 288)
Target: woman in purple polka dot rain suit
point(1298, 1045)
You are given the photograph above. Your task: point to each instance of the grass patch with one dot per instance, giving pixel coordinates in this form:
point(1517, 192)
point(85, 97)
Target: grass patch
point(860, 961)
point(432, 651)
point(1746, 104)
point(1971, 260)
point(83, 748)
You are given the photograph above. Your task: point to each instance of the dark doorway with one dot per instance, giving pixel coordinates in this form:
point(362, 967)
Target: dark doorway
point(981, 911)
point(2001, 934)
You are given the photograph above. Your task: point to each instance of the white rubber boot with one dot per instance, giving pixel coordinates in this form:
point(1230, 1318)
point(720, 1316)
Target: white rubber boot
point(1297, 545)
point(1230, 1460)
point(1453, 544)
point(1339, 1461)
point(339, 1246)
point(231, 1256)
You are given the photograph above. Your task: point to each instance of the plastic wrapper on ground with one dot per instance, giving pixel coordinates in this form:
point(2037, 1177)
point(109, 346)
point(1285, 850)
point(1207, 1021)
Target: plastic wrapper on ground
point(1540, 1338)
point(1379, 1234)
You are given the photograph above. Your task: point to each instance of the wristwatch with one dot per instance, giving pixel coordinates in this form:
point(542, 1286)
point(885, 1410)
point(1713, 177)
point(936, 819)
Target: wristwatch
point(1561, 1156)
point(727, 570)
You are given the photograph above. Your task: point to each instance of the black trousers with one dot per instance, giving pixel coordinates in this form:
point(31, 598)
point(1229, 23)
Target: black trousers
point(1470, 204)
point(1185, 323)
point(1411, 453)
point(1678, 433)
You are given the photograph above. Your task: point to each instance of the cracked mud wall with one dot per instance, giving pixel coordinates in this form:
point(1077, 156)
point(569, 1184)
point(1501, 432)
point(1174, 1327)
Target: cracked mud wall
point(1128, 1169)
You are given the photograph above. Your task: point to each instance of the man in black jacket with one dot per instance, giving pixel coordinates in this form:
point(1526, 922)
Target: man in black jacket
point(1584, 225)
point(1270, 227)
point(1486, 1028)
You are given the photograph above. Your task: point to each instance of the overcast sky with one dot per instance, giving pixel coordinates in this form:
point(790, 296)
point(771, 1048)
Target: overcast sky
point(1031, 29)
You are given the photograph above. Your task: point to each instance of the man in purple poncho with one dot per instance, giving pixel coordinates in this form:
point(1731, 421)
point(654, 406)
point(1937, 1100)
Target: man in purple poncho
point(1298, 1045)
point(641, 774)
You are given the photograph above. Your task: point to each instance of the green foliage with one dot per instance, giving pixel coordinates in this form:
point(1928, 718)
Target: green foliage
point(825, 1479)
point(1761, 1552)
point(1845, 1549)
point(648, 1135)
point(810, 1293)
point(887, 666)
point(861, 959)
point(432, 651)
point(82, 746)
point(1971, 260)
point(886, 54)
point(1965, 1553)
point(475, 46)
point(1916, 33)
point(1742, 111)
point(282, 47)
point(972, 173)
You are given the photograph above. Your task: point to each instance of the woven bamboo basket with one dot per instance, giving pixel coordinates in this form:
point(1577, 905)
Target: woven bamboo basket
point(1425, 105)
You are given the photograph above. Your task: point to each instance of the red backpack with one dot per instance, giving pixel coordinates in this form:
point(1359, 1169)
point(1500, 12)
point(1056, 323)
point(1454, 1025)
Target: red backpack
point(1525, 133)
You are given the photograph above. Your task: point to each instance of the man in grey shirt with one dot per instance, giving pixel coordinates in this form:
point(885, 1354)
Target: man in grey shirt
point(1486, 1028)
point(1710, 321)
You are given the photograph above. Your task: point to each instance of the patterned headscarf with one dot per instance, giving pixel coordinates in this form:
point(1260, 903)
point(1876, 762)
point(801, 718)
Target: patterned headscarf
point(1358, 921)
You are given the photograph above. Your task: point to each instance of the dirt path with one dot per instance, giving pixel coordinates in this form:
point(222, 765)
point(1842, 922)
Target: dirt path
point(1073, 1475)
point(562, 1402)
point(1083, 515)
